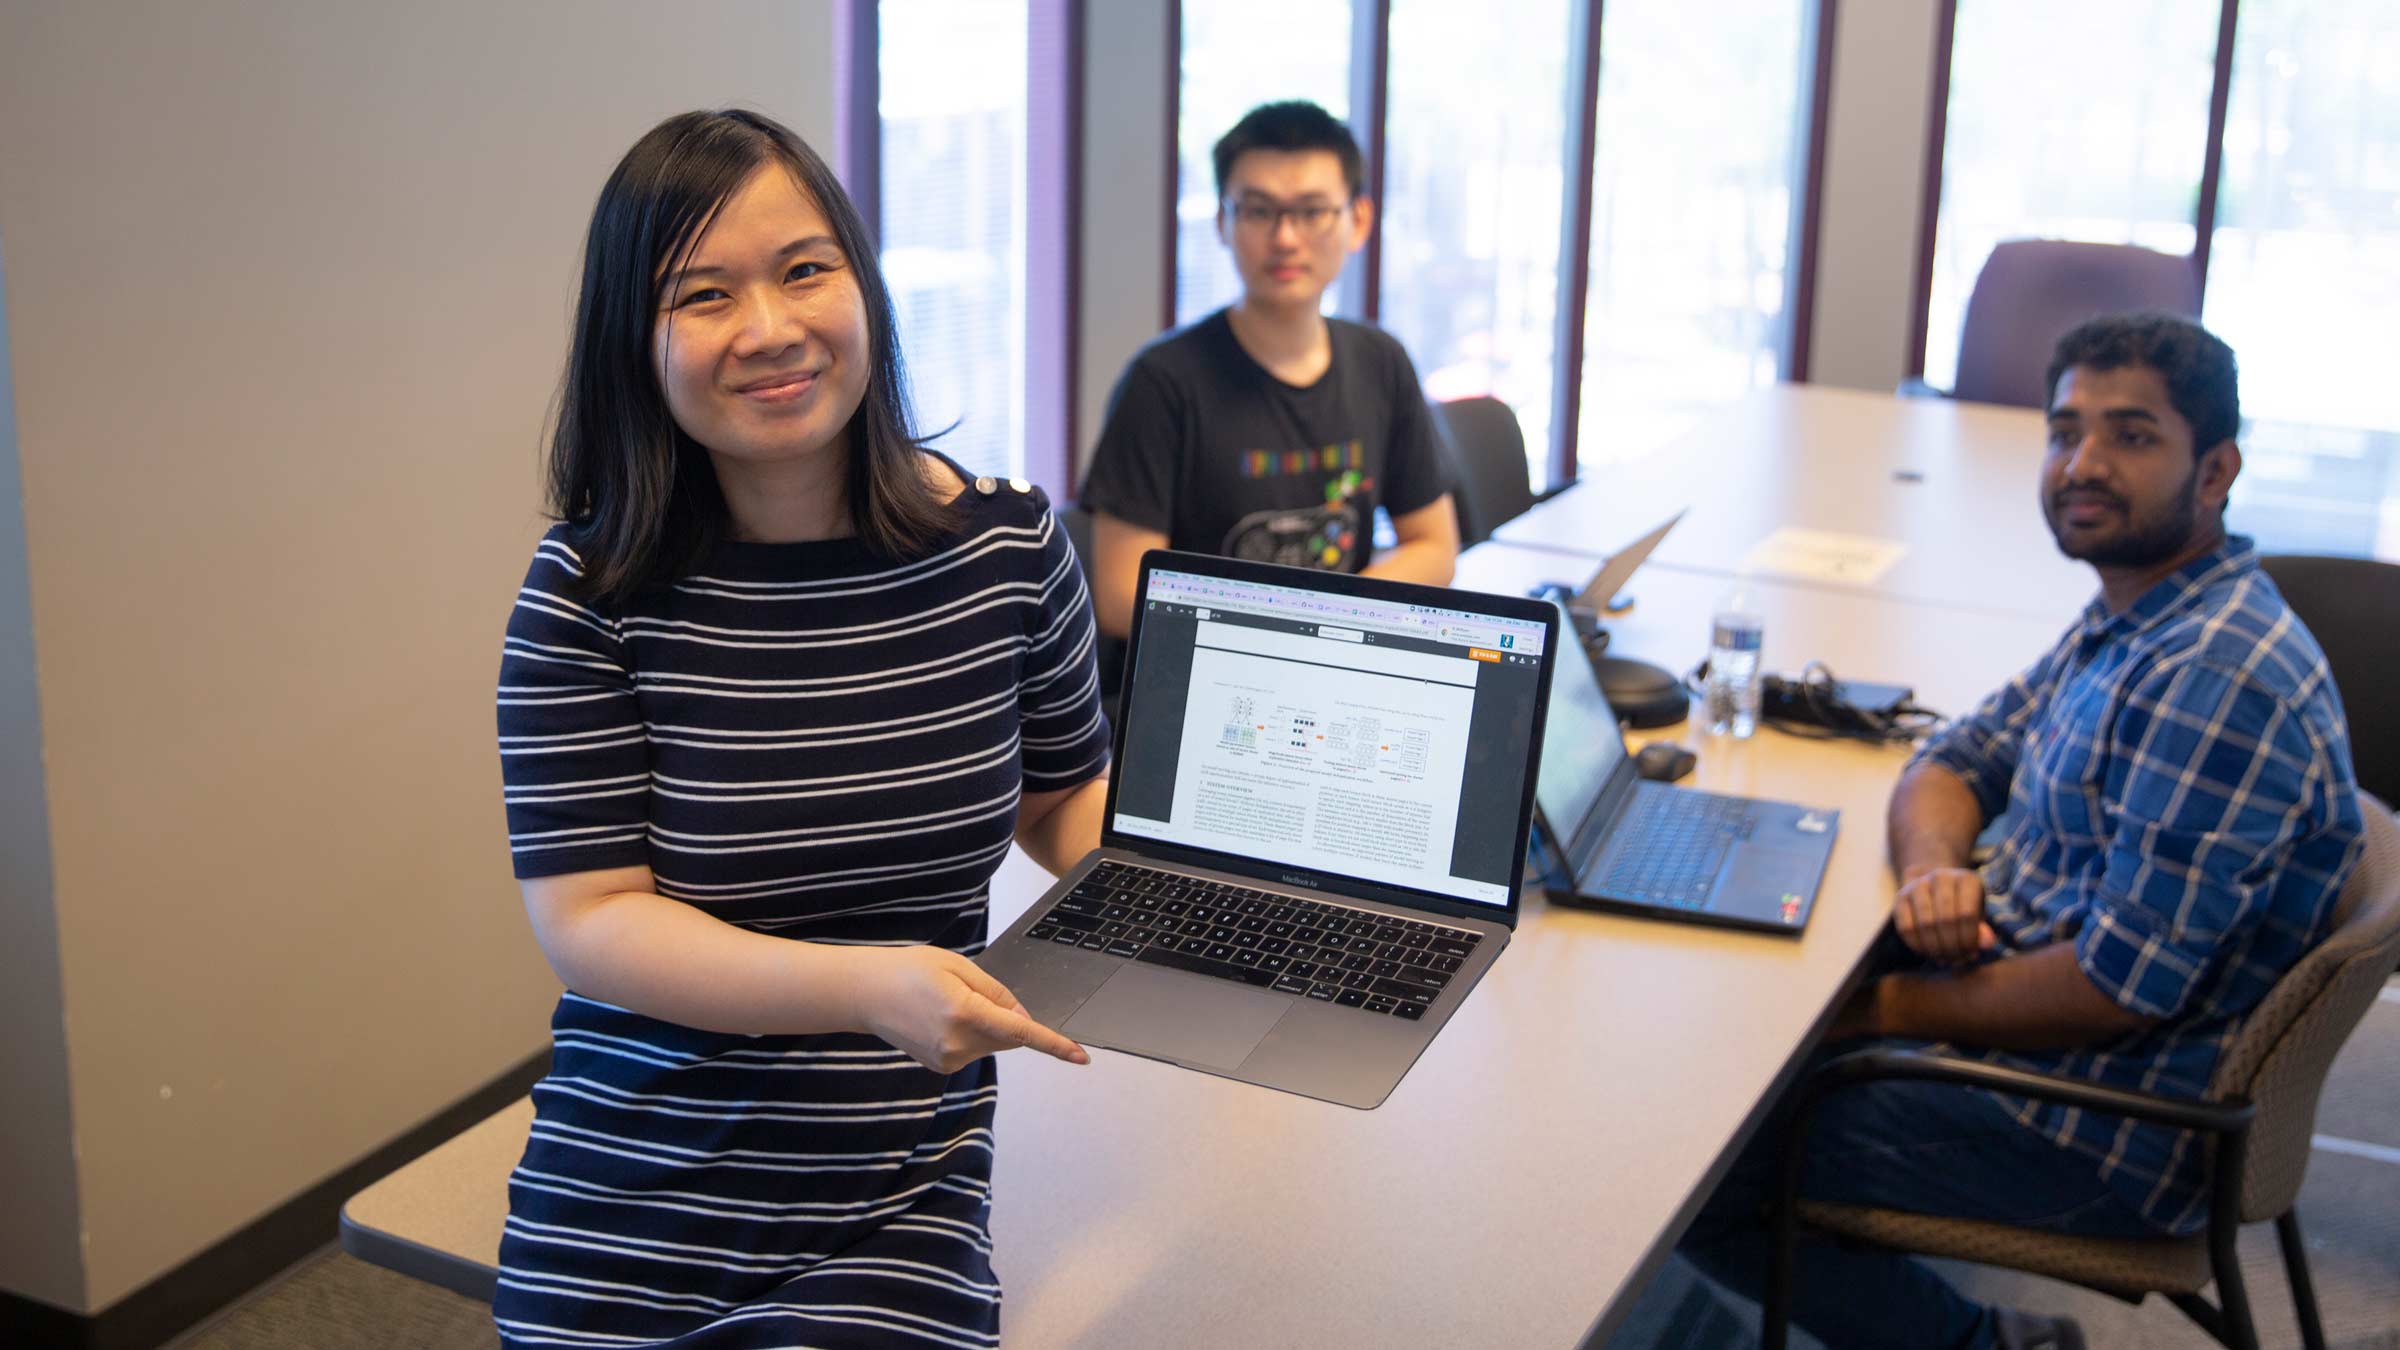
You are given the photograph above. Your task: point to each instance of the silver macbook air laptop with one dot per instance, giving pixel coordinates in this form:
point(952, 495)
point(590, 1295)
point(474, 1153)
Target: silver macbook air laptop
point(1315, 831)
point(1610, 840)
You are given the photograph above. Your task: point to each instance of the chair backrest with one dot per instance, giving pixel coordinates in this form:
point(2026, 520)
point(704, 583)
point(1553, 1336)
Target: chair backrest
point(2031, 291)
point(2281, 1054)
point(1487, 451)
point(2349, 604)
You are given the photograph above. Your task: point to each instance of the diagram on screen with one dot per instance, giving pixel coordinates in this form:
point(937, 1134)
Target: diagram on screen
point(1241, 732)
point(1322, 753)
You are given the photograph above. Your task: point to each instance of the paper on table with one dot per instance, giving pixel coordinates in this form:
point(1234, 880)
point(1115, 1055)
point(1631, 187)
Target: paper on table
point(1821, 555)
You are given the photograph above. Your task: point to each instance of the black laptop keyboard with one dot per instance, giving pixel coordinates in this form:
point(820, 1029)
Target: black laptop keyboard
point(1674, 842)
point(1331, 953)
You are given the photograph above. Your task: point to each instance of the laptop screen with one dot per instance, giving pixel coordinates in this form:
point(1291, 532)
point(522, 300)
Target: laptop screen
point(1581, 745)
point(1379, 740)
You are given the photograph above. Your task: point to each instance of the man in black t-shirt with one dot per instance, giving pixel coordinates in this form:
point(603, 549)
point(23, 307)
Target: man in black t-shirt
point(1266, 430)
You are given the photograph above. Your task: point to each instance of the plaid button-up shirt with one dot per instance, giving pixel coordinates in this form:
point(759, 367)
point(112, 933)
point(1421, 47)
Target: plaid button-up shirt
point(2184, 812)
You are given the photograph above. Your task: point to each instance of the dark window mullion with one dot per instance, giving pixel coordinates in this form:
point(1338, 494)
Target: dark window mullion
point(1575, 235)
point(857, 108)
point(1172, 188)
point(1370, 99)
point(1929, 209)
point(2204, 215)
point(1800, 261)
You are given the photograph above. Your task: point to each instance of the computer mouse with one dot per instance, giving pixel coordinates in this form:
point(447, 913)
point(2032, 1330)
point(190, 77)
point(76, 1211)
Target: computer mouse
point(1663, 761)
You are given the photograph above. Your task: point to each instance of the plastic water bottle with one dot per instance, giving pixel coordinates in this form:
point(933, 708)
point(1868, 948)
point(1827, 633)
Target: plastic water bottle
point(1731, 701)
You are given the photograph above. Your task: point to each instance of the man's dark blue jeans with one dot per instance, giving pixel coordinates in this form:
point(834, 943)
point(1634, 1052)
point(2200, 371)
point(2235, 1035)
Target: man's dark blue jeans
point(1930, 1148)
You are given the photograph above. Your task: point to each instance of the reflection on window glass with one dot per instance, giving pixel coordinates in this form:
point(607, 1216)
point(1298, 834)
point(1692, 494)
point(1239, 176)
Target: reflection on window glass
point(2304, 272)
point(2067, 120)
point(952, 89)
point(1238, 54)
point(1699, 146)
point(1475, 135)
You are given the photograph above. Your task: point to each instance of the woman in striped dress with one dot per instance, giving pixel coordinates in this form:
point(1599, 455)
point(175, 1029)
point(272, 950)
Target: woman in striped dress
point(777, 695)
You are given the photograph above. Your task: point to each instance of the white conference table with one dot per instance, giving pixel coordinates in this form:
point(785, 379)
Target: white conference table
point(1951, 485)
point(1533, 1168)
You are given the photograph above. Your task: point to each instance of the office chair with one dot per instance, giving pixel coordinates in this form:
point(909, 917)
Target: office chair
point(2031, 291)
point(2259, 1113)
point(1076, 520)
point(1487, 456)
point(2349, 604)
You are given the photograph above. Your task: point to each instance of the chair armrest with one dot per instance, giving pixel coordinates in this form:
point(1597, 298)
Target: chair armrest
point(1914, 387)
point(2228, 1120)
point(1867, 1066)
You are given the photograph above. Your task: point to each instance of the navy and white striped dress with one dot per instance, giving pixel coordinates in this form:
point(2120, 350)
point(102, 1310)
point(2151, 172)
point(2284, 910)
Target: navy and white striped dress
point(809, 741)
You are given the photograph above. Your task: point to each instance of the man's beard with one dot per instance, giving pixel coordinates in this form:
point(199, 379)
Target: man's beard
point(2141, 543)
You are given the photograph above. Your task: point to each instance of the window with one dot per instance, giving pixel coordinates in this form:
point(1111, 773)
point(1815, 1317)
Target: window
point(952, 96)
point(1475, 164)
point(2098, 137)
point(2310, 206)
point(1700, 151)
point(1237, 54)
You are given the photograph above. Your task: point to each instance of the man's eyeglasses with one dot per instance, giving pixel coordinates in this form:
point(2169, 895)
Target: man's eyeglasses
point(1262, 217)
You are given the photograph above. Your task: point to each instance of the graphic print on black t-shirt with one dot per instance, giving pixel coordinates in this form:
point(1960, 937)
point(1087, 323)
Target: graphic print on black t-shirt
point(1330, 536)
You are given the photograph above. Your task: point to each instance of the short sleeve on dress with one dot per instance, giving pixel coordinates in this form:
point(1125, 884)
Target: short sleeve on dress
point(574, 759)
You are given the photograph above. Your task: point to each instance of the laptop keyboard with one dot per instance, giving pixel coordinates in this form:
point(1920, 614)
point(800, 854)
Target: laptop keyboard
point(1356, 958)
point(1674, 844)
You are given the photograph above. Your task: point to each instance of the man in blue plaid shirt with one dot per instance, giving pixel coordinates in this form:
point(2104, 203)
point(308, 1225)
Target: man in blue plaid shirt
point(2177, 771)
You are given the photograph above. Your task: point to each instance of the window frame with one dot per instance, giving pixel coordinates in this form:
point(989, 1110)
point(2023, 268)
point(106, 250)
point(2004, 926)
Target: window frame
point(1361, 286)
point(1054, 116)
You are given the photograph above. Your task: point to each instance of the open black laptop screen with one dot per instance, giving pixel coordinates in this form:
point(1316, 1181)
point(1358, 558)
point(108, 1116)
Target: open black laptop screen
point(1581, 745)
point(1333, 733)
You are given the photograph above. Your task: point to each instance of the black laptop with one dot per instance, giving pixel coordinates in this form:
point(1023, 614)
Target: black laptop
point(1315, 832)
point(1608, 839)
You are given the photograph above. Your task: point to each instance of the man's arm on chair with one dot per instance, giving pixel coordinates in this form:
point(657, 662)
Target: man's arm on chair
point(2039, 1001)
point(1117, 549)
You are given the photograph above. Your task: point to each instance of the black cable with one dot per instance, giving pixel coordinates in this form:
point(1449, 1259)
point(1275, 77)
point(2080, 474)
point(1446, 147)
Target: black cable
point(1812, 708)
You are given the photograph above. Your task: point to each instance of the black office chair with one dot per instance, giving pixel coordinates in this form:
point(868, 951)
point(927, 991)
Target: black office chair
point(1076, 520)
point(1487, 457)
point(2351, 605)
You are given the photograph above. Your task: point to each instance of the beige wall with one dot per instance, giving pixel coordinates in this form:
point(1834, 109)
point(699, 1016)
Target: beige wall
point(287, 291)
point(39, 1256)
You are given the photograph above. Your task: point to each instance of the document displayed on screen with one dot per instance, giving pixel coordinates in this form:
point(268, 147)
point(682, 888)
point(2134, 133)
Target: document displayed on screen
point(1328, 755)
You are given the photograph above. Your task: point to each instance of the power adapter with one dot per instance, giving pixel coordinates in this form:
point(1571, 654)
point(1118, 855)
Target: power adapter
point(1850, 706)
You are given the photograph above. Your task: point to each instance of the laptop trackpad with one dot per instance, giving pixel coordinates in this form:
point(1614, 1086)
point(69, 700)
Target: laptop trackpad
point(1761, 881)
point(1171, 1015)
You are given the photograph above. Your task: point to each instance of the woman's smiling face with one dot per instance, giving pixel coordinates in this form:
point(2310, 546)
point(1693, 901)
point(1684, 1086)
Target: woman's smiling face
point(761, 339)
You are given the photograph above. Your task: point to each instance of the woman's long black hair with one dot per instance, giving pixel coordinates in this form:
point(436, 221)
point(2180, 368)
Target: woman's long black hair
point(640, 497)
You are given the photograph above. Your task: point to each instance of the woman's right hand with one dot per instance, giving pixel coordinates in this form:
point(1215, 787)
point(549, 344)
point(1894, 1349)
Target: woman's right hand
point(943, 1011)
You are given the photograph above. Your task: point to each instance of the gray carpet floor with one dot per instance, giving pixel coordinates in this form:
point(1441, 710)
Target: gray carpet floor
point(2349, 1211)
